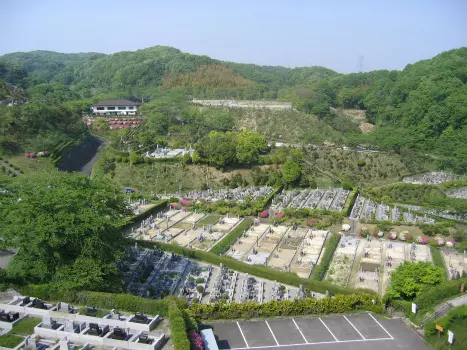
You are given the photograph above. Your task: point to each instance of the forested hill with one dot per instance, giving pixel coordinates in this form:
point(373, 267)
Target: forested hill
point(421, 108)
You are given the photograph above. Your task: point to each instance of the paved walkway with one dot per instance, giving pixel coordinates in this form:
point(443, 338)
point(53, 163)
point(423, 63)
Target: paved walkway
point(14, 171)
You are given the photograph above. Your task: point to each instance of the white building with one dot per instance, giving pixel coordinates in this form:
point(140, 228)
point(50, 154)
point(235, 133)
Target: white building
point(115, 107)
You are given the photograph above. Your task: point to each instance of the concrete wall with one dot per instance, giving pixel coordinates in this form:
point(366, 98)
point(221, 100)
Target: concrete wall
point(245, 104)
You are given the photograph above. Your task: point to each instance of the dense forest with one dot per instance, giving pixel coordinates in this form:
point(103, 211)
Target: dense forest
point(422, 108)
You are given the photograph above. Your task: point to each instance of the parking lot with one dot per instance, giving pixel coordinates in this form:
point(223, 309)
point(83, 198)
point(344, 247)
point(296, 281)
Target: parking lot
point(350, 332)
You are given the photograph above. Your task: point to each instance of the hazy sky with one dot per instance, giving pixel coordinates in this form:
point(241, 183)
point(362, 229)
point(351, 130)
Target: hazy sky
point(388, 34)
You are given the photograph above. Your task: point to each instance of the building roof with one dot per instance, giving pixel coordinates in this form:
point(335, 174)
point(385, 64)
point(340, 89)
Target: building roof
point(117, 102)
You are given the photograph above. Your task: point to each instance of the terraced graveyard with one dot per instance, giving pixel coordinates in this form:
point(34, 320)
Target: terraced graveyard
point(331, 199)
point(365, 208)
point(187, 229)
point(292, 249)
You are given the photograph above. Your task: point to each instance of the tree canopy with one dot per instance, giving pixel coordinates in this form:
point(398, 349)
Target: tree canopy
point(409, 279)
point(67, 229)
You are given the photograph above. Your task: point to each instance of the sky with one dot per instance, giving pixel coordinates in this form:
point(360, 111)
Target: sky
point(342, 35)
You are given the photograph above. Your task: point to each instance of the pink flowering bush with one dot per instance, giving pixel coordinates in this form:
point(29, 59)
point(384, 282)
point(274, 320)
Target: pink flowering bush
point(27, 155)
point(450, 243)
point(186, 202)
point(32, 155)
point(264, 214)
point(392, 235)
point(422, 240)
point(280, 215)
point(196, 341)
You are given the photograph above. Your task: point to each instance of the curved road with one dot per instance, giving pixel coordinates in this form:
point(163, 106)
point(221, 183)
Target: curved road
point(86, 169)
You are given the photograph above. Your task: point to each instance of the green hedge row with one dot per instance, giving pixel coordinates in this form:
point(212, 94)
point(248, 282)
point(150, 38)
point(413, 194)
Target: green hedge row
point(438, 294)
point(330, 246)
point(255, 270)
point(350, 202)
point(125, 302)
point(438, 259)
point(224, 245)
point(308, 306)
point(178, 328)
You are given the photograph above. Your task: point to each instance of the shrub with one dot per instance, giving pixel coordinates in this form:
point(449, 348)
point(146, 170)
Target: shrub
point(178, 328)
point(264, 214)
point(437, 294)
point(330, 246)
point(307, 306)
point(224, 245)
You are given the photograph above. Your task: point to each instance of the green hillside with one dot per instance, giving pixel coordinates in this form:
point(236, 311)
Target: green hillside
point(422, 108)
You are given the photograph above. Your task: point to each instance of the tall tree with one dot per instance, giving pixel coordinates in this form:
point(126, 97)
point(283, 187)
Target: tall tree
point(67, 228)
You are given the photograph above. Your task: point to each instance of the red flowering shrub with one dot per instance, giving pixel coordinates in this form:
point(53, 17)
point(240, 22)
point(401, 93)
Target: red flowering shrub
point(264, 214)
point(280, 215)
point(196, 341)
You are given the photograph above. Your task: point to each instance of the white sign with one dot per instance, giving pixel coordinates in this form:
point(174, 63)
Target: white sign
point(414, 308)
point(450, 337)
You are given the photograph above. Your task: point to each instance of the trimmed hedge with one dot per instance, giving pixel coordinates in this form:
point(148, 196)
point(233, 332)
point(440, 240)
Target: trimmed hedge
point(308, 306)
point(178, 328)
point(224, 245)
point(255, 270)
point(125, 302)
point(350, 202)
point(319, 271)
point(438, 259)
point(437, 294)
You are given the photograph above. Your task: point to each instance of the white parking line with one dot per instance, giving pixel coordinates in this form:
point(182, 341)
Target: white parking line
point(267, 324)
point(318, 343)
point(296, 325)
point(243, 335)
point(354, 327)
point(324, 324)
point(384, 329)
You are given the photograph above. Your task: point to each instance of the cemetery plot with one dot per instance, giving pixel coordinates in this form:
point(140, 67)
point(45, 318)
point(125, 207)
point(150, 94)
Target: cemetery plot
point(196, 284)
point(460, 193)
point(331, 199)
point(153, 273)
point(282, 257)
point(139, 205)
point(433, 178)
point(455, 262)
point(162, 152)
point(365, 208)
point(228, 285)
point(368, 275)
point(309, 253)
point(237, 194)
point(441, 213)
point(269, 241)
point(342, 262)
point(247, 240)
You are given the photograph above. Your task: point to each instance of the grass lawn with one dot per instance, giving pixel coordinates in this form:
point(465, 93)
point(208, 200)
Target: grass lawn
point(10, 340)
point(210, 219)
point(31, 165)
point(458, 327)
point(26, 326)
